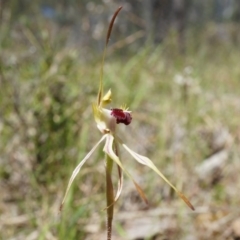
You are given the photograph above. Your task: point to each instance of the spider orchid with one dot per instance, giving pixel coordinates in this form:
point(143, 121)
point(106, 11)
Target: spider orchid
point(107, 121)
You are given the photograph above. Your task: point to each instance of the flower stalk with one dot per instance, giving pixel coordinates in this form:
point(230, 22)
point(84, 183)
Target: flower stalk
point(109, 195)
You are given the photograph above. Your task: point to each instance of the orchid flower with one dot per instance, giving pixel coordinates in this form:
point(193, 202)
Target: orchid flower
point(107, 121)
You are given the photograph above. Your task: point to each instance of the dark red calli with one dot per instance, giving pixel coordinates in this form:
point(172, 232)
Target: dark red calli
point(121, 116)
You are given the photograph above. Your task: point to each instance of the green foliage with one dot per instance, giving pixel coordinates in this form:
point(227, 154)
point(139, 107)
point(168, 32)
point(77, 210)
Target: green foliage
point(46, 91)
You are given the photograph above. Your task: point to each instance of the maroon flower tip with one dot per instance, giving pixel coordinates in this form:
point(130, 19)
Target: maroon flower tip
point(121, 116)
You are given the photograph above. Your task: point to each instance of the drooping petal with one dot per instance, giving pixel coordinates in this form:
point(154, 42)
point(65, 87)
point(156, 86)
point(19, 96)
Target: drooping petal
point(109, 188)
point(108, 148)
point(77, 169)
point(146, 161)
point(120, 183)
point(120, 174)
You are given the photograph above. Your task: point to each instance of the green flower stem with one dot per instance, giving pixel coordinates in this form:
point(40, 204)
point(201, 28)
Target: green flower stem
point(109, 196)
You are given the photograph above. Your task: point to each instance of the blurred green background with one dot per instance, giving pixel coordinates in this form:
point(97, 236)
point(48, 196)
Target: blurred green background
point(175, 63)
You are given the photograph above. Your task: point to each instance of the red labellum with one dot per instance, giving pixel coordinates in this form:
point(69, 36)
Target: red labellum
point(121, 116)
